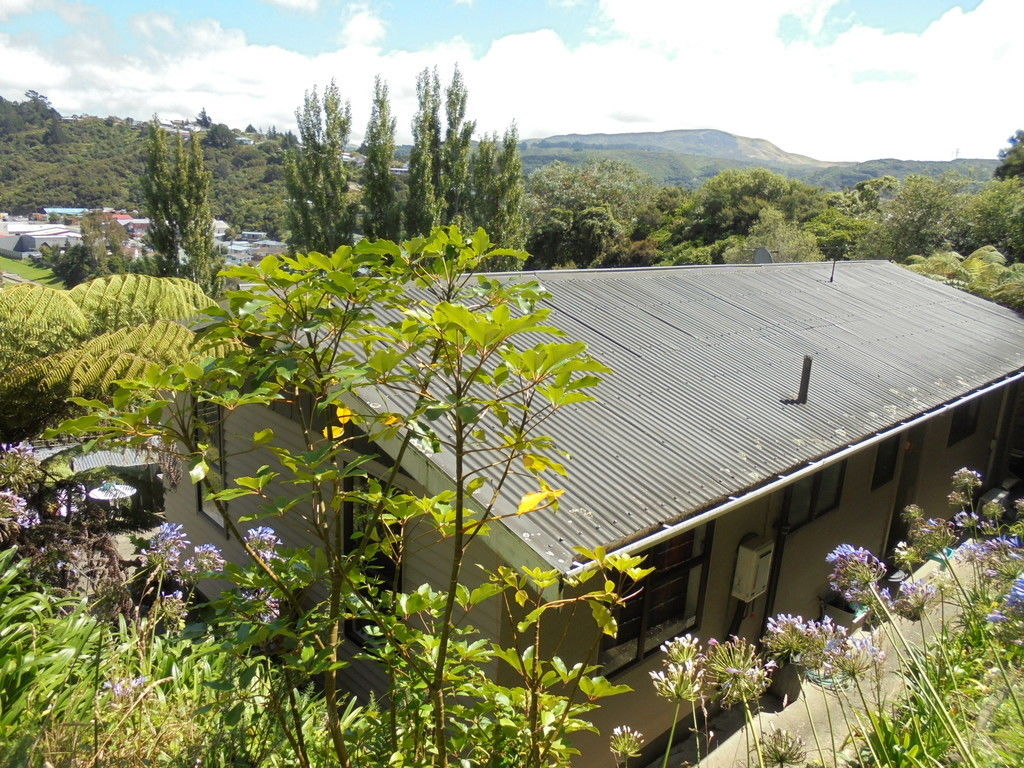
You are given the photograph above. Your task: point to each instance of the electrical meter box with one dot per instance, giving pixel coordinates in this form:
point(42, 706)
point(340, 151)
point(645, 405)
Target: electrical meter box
point(753, 566)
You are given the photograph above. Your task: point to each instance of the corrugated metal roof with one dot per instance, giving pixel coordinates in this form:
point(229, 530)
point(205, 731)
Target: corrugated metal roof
point(704, 359)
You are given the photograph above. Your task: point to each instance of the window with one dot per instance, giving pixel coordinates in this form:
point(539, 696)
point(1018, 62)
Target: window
point(209, 428)
point(363, 529)
point(665, 604)
point(814, 496)
point(885, 461)
point(964, 421)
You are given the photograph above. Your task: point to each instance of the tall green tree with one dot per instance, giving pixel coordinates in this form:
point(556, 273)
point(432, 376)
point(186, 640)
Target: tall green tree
point(496, 188)
point(454, 164)
point(176, 195)
point(1012, 157)
point(784, 238)
point(196, 216)
point(382, 218)
point(422, 210)
point(509, 222)
point(321, 216)
point(920, 219)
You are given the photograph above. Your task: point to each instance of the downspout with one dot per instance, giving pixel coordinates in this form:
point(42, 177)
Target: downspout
point(734, 502)
point(781, 534)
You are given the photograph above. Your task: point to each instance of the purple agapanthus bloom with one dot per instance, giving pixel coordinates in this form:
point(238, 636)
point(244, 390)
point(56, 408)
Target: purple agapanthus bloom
point(207, 559)
point(265, 541)
point(913, 597)
point(1012, 607)
point(264, 607)
point(167, 547)
point(854, 572)
point(125, 688)
point(1001, 557)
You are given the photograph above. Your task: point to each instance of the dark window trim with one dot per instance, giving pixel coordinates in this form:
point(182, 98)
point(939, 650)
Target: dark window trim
point(218, 437)
point(893, 444)
point(701, 561)
point(813, 503)
point(964, 421)
point(352, 626)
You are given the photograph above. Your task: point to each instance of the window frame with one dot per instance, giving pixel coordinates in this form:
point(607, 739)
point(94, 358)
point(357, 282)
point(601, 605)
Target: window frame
point(648, 640)
point(813, 512)
point(889, 467)
point(352, 627)
point(964, 421)
point(214, 421)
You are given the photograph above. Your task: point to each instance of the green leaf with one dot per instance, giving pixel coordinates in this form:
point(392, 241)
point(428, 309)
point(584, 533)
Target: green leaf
point(199, 470)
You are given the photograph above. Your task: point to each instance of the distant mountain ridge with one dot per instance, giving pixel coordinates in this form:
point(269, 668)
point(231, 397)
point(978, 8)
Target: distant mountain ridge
point(687, 157)
point(705, 142)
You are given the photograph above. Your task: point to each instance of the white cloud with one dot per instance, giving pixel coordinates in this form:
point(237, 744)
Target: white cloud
point(362, 27)
point(9, 8)
point(296, 5)
point(656, 65)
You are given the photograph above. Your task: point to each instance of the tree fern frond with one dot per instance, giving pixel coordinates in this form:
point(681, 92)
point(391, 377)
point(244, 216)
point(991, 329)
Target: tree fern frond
point(37, 320)
point(118, 301)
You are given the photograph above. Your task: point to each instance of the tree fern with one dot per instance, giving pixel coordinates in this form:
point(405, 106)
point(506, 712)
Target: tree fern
point(55, 344)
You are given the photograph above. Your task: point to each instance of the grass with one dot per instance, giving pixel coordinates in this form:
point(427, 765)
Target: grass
point(30, 272)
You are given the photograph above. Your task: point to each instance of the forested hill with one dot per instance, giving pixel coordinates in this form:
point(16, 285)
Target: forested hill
point(49, 161)
point(688, 157)
point(95, 162)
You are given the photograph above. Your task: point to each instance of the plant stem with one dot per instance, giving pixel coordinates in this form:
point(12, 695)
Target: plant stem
point(671, 734)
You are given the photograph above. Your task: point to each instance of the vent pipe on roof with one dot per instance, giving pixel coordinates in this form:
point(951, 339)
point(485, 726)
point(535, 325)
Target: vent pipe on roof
point(805, 380)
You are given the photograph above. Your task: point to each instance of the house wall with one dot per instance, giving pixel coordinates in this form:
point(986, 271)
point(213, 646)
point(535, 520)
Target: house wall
point(862, 518)
point(361, 677)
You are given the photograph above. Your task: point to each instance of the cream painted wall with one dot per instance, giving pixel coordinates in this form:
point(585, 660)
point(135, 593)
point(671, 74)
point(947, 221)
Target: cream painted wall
point(862, 519)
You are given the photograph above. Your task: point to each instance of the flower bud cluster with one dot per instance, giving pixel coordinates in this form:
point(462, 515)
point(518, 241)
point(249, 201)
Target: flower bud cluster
point(626, 742)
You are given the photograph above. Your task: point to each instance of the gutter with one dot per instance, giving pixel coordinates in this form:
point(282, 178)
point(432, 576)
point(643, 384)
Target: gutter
point(734, 502)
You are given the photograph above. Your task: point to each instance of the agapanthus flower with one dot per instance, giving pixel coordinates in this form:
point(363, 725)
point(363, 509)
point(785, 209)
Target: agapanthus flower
point(854, 571)
point(1010, 612)
point(263, 606)
point(682, 649)
point(998, 558)
point(966, 479)
point(207, 559)
point(913, 597)
point(14, 507)
point(682, 682)
point(167, 547)
point(19, 467)
point(738, 672)
point(852, 657)
point(782, 749)
point(931, 535)
point(265, 541)
point(968, 522)
point(625, 742)
point(792, 638)
point(123, 688)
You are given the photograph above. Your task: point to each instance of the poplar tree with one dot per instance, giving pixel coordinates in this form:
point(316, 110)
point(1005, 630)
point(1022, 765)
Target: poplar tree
point(454, 166)
point(382, 217)
point(508, 222)
point(482, 165)
point(421, 210)
point(320, 212)
point(496, 190)
point(176, 198)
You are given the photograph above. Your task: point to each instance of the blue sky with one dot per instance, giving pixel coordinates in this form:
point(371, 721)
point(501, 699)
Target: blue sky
point(835, 79)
